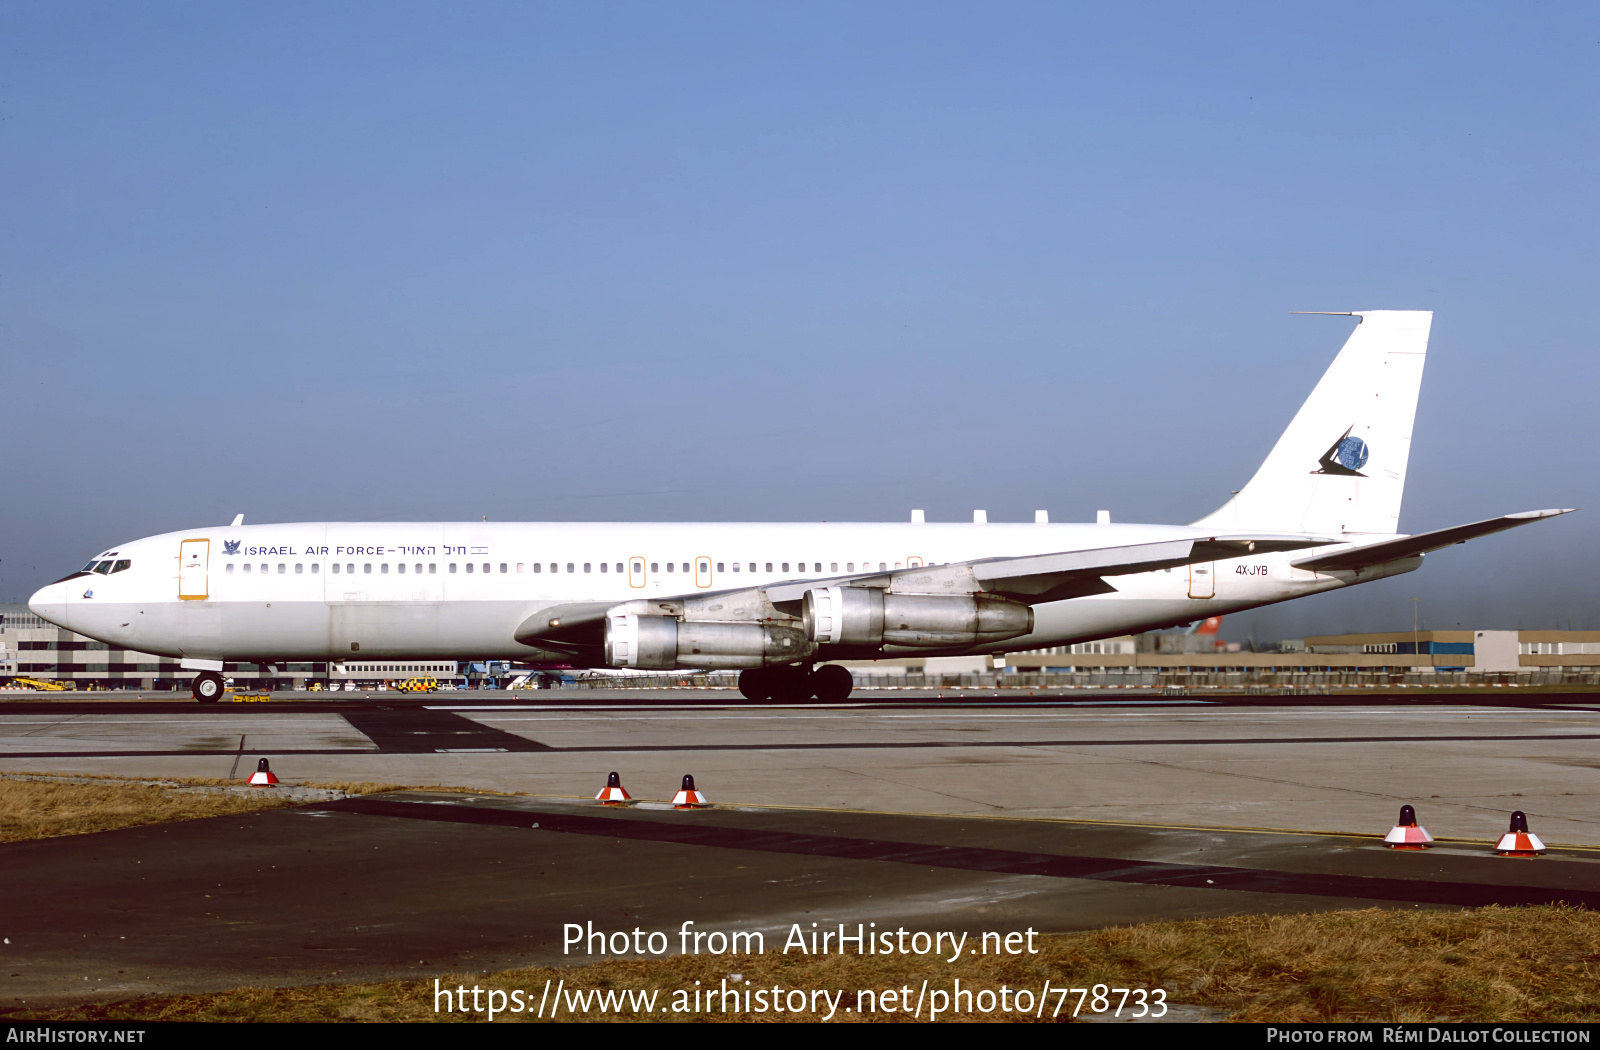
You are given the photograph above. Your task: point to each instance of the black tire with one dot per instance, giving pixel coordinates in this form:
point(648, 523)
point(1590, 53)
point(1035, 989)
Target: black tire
point(791, 685)
point(756, 684)
point(832, 683)
point(207, 687)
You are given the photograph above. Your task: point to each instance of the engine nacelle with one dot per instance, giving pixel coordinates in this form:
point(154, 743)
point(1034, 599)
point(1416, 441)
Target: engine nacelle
point(665, 642)
point(870, 616)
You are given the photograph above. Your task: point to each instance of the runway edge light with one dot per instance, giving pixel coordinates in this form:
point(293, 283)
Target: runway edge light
point(1407, 834)
point(263, 776)
point(613, 794)
point(688, 797)
point(1519, 841)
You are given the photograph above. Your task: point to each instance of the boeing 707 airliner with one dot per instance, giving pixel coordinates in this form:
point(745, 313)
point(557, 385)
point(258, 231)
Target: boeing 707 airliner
point(779, 601)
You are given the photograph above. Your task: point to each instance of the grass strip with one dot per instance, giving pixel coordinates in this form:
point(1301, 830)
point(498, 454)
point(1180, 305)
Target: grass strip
point(32, 809)
point(63, 804)
point(1484, 965)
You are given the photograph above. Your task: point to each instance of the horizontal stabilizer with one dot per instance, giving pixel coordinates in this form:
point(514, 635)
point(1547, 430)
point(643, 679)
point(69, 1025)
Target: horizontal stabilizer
point(1422, 543)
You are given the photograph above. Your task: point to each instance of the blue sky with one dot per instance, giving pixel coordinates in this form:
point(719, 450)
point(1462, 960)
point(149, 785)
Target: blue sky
point(588, 261)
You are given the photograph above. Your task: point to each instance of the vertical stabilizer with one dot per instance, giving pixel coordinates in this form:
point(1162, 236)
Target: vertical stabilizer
point(1341, 465)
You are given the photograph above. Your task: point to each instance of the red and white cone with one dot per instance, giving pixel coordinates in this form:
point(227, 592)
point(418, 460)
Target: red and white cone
point(687, 797)
point(262, 777)
point(1407, 834)
point(1519, 841)
point(613, 794)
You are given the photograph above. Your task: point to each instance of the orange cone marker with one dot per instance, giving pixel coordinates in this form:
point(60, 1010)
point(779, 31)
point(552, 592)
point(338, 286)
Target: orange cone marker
point(1407, 834)
point(613, 794)
point(687, 797)
point(1519, 841)
point(262, 777)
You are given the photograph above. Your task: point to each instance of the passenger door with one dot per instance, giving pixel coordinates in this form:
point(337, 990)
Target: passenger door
point(194, 570)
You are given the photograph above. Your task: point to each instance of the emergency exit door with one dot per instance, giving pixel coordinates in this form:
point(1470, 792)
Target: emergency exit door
point(1203, 580)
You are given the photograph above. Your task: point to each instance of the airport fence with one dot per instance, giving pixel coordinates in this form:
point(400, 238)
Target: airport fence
point(1175, 682)
point(1162, 681)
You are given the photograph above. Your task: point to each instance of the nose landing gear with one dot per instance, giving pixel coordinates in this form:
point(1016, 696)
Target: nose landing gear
point(207, 687)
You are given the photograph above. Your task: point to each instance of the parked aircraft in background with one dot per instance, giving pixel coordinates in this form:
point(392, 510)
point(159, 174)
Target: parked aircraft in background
point(778, 600)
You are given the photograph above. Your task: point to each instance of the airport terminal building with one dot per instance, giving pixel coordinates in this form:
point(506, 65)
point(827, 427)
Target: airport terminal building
point(1393, 658)
point(31, 647)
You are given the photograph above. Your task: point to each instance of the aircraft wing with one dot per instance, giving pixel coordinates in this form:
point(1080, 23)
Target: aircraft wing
point(1031, 579)
point(1408, 546)
point(1036, 578)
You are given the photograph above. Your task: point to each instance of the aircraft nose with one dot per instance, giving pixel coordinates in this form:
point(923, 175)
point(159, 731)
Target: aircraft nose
point(50, 603)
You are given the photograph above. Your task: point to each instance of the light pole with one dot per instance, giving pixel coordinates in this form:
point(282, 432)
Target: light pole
point(1416, 646)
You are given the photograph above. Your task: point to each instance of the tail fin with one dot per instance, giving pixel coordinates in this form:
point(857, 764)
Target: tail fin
point(1341, 465)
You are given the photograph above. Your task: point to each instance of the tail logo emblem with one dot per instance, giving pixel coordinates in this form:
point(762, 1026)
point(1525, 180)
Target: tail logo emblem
point(1346, 456)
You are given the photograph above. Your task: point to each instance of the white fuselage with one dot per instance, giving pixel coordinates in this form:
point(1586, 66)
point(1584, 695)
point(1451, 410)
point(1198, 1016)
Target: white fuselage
point(326, 591)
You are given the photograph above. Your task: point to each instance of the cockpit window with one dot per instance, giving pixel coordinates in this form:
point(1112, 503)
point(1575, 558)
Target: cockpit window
point(125, 563)
point(103, 567)
point(89, 567)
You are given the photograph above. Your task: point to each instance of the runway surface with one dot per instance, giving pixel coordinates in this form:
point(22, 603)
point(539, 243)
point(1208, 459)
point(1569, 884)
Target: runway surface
point(1051, 816)
point(1310, 763)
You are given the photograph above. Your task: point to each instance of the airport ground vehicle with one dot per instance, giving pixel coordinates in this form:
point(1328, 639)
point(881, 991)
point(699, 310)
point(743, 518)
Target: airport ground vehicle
point(777, 601)
point(44, 685)
point(419, 685)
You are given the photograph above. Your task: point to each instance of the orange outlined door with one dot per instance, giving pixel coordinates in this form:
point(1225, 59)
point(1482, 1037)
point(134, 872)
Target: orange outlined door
point(702, 572)
point(635, 572)
point(194, 570)
point(1203, 579)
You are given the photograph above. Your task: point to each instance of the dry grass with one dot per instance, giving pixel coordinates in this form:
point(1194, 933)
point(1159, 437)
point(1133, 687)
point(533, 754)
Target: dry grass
point(1488, 965)
point(32, 809)
point(46, 808)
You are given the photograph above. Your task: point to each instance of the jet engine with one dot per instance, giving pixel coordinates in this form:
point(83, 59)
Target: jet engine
point(871, 616)
point(665, 642)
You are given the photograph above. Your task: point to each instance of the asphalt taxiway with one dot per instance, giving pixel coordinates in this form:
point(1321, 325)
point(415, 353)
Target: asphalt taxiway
point(1052, 815)
point(1307, 764)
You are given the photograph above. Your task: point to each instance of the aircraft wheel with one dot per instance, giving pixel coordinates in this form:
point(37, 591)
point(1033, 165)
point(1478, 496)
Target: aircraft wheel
point(755, 684)
point(207, 687)
point(791, 685)
point(832, 683)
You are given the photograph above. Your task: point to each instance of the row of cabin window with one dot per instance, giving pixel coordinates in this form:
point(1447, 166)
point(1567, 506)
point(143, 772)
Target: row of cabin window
point(638, 566)
point(433, 567)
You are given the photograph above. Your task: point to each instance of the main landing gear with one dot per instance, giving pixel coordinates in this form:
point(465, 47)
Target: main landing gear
point(207, 687)
point(829, 683)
